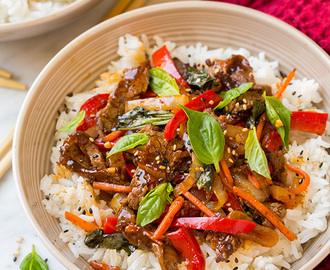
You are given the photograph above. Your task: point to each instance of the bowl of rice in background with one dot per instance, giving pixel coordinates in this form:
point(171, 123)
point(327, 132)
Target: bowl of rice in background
point(21, 19)
point(122, 42)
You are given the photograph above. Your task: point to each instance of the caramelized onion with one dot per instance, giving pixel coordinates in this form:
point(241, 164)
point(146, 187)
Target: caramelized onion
point(283, 195)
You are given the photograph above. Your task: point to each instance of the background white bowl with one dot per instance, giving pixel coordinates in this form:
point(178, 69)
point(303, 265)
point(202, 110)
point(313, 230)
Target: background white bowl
point(80, 63)
point(30, 28)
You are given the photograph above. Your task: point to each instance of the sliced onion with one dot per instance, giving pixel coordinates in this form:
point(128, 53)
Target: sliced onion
point(241, 181)
point(219, 191)
point(114, 203)
point(283, 195)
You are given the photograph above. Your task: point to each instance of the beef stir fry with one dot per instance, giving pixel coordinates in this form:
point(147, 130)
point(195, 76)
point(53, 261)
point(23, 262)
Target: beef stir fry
point(193, 154)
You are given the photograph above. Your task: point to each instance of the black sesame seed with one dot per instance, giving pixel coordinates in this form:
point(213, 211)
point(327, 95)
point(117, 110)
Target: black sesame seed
point(46, 260)
point(227, 261)
point(234, 146)
point(188, 142)
point(74, 110)
point(208, 62)
point(321, 165)
point(203, 99)
point(281, 147)
point(15, 259)
point(84, 212)
point(293, 93)
point(268, 151)
point(98, 135)
point(139, 173)
point(189, 55)
point(79, 208)
point(127, 162)
point(235, 268)
point(95, 156)
point(302, 151)
point(65, 231)
point(236, 260)
point(301, 180)
point(297, 174)
point(299, 96)
point(90, 210)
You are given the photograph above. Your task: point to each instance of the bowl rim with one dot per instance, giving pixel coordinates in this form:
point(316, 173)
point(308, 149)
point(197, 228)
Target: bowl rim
point(58, 15)
point(83, 39)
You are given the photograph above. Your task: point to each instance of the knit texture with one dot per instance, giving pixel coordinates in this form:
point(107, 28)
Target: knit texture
point(312, 17)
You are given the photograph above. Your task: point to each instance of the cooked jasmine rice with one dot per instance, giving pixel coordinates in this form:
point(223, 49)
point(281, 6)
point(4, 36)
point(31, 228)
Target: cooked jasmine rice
point(66, 191)
point(12, 11)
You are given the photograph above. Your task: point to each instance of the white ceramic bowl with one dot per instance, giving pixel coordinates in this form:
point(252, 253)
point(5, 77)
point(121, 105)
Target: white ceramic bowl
point(30, 28)
point(80, 63)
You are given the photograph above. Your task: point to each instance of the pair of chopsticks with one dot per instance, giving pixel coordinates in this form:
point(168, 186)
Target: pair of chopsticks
point(123, 6)
point(6, 81)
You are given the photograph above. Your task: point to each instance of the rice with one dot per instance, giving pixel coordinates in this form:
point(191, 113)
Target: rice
point(13, 11)
point(66, 191)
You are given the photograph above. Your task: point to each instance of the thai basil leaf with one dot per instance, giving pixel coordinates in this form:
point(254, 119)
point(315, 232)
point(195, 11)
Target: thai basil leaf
point(97, 239)
point(153, 204)
point(257, 110)
point(33, 261)
point(162, 83)
point(206, 178)
point(275, 110)
point(255, 155)
point(128, 142)
point(197, 77)
point(231, 94)
point(74, 123)
point(206, 137)
point(139, 117)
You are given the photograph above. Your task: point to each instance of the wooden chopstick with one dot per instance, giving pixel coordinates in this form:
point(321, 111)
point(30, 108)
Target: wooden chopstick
point(8, 83)
point(122, 6)
point(5, 73)
point(6, 152)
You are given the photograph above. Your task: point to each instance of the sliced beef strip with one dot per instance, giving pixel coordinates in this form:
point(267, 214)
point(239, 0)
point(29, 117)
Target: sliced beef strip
point(276, 160)
point(181, 67)
point(81, 155)
point(133, 83)
point(224, 244)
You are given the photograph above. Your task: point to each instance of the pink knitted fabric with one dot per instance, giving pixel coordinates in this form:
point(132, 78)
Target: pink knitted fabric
point(312, 17)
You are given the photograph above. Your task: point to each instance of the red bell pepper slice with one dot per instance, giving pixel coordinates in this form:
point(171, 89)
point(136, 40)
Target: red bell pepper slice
point(148, 94)
point(233, 203)
point(208, 99)
point(109, 225)
point(185, 242)
point(162, 59)
point(130, 168)
point(226, 225)
point(91, 107)
point(272, 141)
point(312, 122)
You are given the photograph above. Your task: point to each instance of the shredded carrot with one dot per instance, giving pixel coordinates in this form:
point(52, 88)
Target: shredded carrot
point(268, 213)
point(260, 126)
point(102, 266)
point(254, 181)
point(167, 220)
point(285, 84)
point(225, 181)
point(195, 201)
point(112, 187)
point(83, 224)
point(268, 181)
point(305, 182)
point(226, 171)
point(114, 135)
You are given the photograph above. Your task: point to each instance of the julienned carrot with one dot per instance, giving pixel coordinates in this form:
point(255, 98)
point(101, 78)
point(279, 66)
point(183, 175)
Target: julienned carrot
point(114, 135)
point(112, 187)
point(285, 84)
point(224, 180)
point(260, 126)
point(226, 171)
point(269, 214)
point(83, 224)
point(167, 220)
point(195, 201)
point(305, 182)
point(102, 266)
point(254, 181)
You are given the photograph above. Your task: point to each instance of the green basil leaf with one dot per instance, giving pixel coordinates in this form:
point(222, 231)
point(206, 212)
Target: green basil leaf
point(275, 110)
point(231, 94)
point(255, 155)
point(197, 77)
point(258, 109)
point(206, 178)
point(162, 83)
point(206, 137)
point(74, 123)
point(153, 204)
point(129, 142)
point(138, 117)
point(33, 261)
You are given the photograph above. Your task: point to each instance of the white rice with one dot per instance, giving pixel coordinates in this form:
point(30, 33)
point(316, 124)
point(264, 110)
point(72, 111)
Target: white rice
point(68, 191)
point(12, 11)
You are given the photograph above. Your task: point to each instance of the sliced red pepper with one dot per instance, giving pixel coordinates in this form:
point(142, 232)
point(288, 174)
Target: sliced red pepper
point(91, 107)
point(130, 168)
point(233, 203)
point(185, 242)
point(148, 94)
point(312, 122)
point(272, 141)
point(102, 266)
point(217, 224)
point(109, 225)
point(101, 144)
point(209, 99)
point(162, 59)
point(113, 136)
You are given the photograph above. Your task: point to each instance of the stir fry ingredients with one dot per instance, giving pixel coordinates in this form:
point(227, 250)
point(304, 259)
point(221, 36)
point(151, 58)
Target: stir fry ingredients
point(187, 156)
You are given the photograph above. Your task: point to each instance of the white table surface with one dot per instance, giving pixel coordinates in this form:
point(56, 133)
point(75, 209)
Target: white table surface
point(25, 59)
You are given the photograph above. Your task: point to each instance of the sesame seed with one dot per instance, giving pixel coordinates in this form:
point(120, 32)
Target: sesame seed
point(237, 105)
point(278, 123)
point(321, 165)
point(244, 100)
point(84, 212)
point(230, 209)
point(157, 158)
point(299, 101)
point(79, 208)
point(314, 163)
point(299, 96)
point(90, 210)
point(230, 160)
point(228, 150)
point(174, 147)
point(158, 161)
point(302, 151)
point(245, 129)
point(228, 204)
point(92, 115)
point(233, 152)
point(65, 231)
point(162, 167)
point(211, 102)
point(20, 239)
point(107, 145)
point(201, 169)
point(315, 174)
point(301, 180)
point(234, 146)
point(225, 132)
point(198, 80)
point(217, 70)
point(244, 107)
point(197, 169)
point(228, 116)
point(91, 139)
point(294, 92)
point(15, 258)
